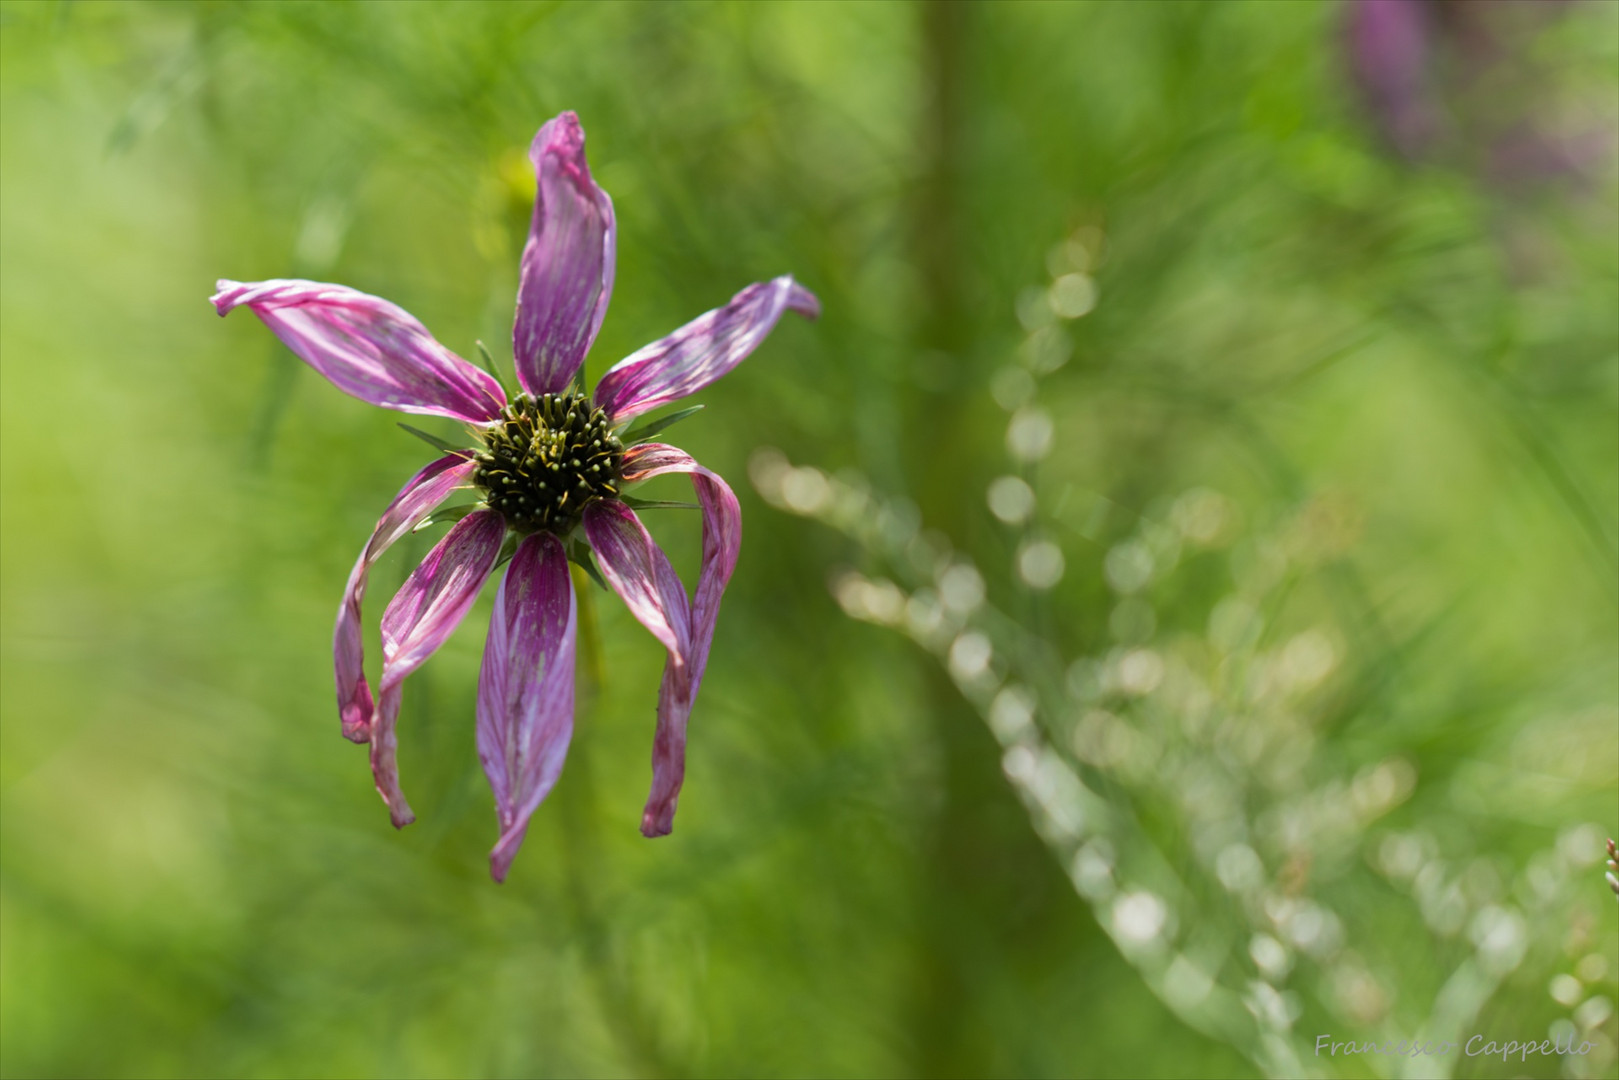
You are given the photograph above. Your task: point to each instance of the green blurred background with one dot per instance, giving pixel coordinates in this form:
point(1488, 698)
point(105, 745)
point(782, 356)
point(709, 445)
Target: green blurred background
point(1332, 460)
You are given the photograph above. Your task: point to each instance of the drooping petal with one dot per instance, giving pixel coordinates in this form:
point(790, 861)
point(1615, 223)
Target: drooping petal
point(722, 539)
point(525, 691)
point(367, 347)
point(420, 495)
point(701, 351)
point(638, 570)
point(419, 619)
point(567, 272)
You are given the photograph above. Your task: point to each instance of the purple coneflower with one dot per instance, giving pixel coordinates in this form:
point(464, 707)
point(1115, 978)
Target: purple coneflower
point(550, 471)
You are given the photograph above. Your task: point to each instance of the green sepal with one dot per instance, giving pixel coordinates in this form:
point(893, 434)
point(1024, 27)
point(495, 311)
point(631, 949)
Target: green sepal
point(655, 504)
point(579, 555)
point(486, 360)
point(508, 548)
point(448, 513)
point(434, 440)
point(652, 427)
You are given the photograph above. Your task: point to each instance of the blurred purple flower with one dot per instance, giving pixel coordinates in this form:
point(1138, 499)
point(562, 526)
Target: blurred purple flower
point(1460, 72)
point(1389, 42)
point(550, 469)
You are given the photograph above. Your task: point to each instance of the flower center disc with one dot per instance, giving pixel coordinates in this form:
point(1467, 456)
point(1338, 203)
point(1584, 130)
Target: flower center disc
point(545, 459)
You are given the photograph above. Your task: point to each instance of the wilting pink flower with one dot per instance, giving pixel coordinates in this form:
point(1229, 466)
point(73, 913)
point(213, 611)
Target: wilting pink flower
point(550, 469)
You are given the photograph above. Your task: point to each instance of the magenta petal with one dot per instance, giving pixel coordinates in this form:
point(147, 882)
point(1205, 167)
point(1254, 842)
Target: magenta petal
point(368, 347)
point(567, 272)
point(638, 570)
point(421, 616)
point(640, 573)
point(722, 539)
point(701, 351)
point(525, 692)
point(420, 495)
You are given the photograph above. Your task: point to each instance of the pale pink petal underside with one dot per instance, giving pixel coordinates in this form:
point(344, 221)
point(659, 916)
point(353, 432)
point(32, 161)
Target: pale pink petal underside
point(701, 351)
point(722, 539)
point(418, 498)
point(420, 618)
point(525, 691)
point(367, 347)
point(567, 269)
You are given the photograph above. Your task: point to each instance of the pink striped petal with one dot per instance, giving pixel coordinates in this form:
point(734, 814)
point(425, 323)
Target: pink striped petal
point(419, 619)
point(701, 351)
point(567, 272)
point(638, 570)
point(368, 347)
point(420, 495)
point(722, 539)
point(525, 692)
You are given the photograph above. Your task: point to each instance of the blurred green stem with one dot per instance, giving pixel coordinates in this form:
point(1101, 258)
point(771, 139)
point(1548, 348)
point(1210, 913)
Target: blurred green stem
point(273, 400)
point(622, 1008)
point(940, 1044)
point(590, 644)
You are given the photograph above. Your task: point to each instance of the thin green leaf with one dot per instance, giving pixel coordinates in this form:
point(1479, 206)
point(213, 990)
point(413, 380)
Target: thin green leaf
point(652, 427)
point(579, 555)
point(434, 440)
point(508, 548)
point(487, 362)
point(448, 513)
point(656, 504)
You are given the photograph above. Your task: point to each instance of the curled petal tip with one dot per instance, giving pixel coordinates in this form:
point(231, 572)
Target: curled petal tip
point(401, 817)
point(562, 134)
point(224, 298)
point(504, 853)
point(357, 721)
point(359, 711)
point(804, 302)
point(500, 859)
point(658, 823)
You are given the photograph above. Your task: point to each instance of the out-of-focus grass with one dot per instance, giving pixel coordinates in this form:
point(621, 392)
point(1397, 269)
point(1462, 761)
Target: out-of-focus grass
point(1413, 371)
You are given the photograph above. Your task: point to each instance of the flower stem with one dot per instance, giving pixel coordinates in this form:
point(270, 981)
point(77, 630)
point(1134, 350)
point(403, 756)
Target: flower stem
point(590, 644)
point(623, 1008)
